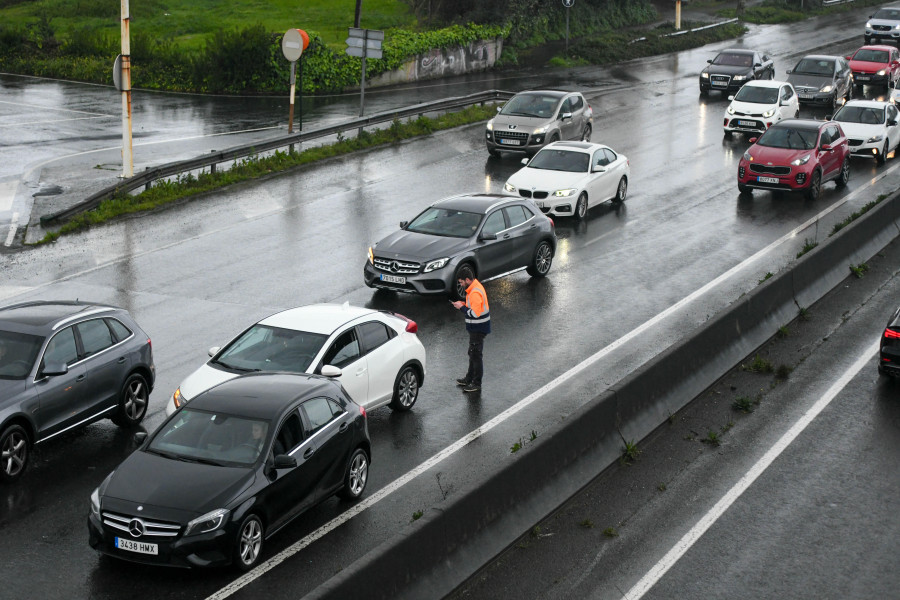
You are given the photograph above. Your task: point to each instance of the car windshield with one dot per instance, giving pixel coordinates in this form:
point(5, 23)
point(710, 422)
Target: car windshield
point(560, 160)
point(266, 348)
point(815, 66)
point(733, 60)
point(866, 115)
point(18, 351)
point(211, 438)
point(788, 137)
point(757, 95)
point(531, 105)
point(867, 55)
point(888, 14)
point(446, 222)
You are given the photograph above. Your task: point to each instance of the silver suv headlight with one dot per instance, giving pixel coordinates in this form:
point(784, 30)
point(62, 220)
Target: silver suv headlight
point(490, 125)
point(436, 264)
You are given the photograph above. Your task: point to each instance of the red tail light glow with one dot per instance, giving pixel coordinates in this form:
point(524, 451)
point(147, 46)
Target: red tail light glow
point(362, 411)
point(149, 343)
point(552, 224)
point(891, 334)
point(411, 326)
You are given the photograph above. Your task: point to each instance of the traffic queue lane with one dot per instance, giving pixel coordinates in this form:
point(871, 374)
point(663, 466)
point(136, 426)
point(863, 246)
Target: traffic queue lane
point(196, 274)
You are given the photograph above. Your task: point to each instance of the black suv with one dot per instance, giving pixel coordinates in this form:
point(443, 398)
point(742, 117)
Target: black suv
point(732, 68)
point(65, 365)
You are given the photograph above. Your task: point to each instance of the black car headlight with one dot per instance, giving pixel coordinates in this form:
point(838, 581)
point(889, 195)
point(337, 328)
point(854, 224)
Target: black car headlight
point(208, 522)
point(95, 503)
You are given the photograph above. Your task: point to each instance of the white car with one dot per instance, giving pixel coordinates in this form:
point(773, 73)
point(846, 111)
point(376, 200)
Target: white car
point(376, 355)
point(871, 128)
point(759, 105)
point(568, 178)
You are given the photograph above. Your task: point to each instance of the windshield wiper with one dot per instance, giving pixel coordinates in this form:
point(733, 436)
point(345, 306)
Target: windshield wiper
point(205, 461)
point(234, 368)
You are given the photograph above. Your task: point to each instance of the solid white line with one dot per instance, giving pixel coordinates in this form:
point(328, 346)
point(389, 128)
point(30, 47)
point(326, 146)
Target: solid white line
point(52, 108)
point(685, 543)
point(54, 121)
point(509, 412)
point(13, 226)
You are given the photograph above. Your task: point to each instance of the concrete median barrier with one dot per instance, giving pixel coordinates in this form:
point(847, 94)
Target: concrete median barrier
point(437, 553)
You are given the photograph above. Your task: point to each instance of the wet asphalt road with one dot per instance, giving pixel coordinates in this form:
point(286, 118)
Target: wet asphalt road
point(197, 273)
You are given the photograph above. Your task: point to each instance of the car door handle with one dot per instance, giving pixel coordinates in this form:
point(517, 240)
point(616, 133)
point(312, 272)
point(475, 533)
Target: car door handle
point(343, 427)
point(360, 372)
point(505, 236)
point(309, 452)
point(121, 360)
point(79, 379)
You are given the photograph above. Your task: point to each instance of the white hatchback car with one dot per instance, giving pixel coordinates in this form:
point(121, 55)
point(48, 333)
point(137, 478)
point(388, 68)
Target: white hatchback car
point(376, 355)
point(759, 105)
point(568, 178)
point(871, 128)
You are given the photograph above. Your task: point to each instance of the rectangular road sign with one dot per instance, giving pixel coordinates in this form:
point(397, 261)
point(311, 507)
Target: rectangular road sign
point(370, 52)
point(373, 34)
point(358, 43)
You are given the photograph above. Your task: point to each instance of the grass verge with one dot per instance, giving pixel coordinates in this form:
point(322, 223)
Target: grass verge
point(167, 191)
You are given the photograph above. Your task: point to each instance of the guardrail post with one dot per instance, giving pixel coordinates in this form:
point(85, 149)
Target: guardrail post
point(149, 183)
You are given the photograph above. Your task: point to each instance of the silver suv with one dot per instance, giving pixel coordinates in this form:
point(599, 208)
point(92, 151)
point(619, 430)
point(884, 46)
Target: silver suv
point(530, 120)
point(884, 26)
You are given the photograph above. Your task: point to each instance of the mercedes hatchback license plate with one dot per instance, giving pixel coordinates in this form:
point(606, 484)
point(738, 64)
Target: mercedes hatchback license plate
point(806, 96)
point(767, 179)
point(393, 279)
point(511, 142)
point(141, 547)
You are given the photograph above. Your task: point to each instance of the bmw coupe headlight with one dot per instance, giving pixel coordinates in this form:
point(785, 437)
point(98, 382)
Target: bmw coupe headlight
point(827, 88)
point(740, 77)
point(801, 161)
point(748, 156)
point(704, 75)
point(874, 138)
point(730, 110)
point(208, 522)
point(95, 503)
point(540, 130)
point(490, 125)
point(510, 188)
point(564, 193)
point(436, 264)
point(769, 113)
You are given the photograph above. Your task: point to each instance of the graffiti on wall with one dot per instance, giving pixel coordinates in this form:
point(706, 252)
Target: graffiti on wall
point(443, 62)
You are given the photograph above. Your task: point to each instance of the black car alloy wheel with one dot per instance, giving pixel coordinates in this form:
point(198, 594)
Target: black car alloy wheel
point(406, 389)
point(357, 475)
point(13, 453)
point(249, 542)
point(133, 401)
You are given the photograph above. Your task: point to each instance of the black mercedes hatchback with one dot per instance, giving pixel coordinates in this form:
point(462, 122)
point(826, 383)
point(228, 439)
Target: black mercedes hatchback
point(230, 469)
point(889, 358)
point(65, 365)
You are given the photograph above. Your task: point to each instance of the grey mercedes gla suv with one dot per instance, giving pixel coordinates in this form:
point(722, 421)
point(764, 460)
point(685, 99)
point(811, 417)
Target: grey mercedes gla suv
point(531, 120)
point(65, 365)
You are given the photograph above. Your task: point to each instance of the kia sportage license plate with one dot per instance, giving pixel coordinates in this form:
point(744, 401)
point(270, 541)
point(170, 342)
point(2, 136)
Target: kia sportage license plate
point(140, 547)
point(767, 179)
point(393, 279)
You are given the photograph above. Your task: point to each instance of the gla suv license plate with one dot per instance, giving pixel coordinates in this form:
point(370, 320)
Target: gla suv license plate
point(140, 547)
point(393, 279)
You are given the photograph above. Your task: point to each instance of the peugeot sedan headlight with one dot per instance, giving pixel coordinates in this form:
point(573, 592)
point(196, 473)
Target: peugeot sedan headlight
point(769, 113)
point(540, 130)
point(490, 125)
point(874, 138)
point(208, 522)
point(510, 188)
point(801, 161)
point(827, 88)
point(730, 110)
point(436, 264)
point(704, 75)
point(564, 193)
point(740, 77)
point(748, 156)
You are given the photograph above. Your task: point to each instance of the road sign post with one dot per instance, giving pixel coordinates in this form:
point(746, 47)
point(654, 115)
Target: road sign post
point(568, 4)
point(364, 43)
point(294, 42)
point(122, 75)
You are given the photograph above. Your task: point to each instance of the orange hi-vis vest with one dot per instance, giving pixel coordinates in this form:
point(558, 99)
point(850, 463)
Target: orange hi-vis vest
point(477, 311)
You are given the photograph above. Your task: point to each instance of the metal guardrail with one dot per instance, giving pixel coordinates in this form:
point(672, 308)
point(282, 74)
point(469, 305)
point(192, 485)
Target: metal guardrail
point(211, 160)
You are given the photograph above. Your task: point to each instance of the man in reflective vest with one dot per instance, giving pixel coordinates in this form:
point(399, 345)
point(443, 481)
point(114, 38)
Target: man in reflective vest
point(478, 324)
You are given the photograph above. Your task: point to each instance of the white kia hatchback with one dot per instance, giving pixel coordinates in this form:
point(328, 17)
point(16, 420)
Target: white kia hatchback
point(759, 105)
point(376, 355)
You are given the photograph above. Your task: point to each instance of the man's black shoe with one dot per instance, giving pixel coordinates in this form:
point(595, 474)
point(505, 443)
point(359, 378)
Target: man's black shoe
point(462, 381)
point(472, 387)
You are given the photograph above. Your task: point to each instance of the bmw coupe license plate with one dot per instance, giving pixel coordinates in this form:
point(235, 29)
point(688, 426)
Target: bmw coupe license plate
point(140, 547)
point(393, 279)
point(511, 142)
point(746, 123)
point(767, 179)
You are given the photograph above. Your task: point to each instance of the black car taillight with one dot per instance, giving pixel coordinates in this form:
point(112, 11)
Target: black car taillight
point(411, 326)
point(890, 334)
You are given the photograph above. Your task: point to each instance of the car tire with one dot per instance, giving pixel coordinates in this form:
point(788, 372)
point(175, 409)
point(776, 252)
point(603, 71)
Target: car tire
point(541, 261)
point(14, 449)
point(493, 152)
point(728, 134)
point(553, 138)
point(133, 401)
point(621, 191)
point(844, 175)
point(797, 114)
point(356, 476)
point(581, 207)
point(248, 543)
point(462, 271)
point(882, 156)
point(815, 186)
point(834, 102)
point(586, 134)
point(704, 93)
point(745, 190)
point(406, 389)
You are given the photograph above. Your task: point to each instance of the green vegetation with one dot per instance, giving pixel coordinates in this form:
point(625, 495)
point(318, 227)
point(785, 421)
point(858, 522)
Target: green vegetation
point(789, 11)
point(745, 404)
point(417, 515)
point(661, 487)
point(630, 453)
point(859, 270)
point(165, 192)
point(712, 438)
point(768, 275)
point(783, 372)
point(855, 215)
point(516, 447)
point(610, 532)
point(783, 332)
point(807, 246)
point(759, 365)
point(587, 524)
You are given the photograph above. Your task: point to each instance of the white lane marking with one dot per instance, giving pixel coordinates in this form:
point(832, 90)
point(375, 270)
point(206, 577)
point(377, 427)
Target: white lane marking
point(52, 108)
point(47, 122)
point(688, 540)
point(8, 194)
point(509, 412)
point(14, 224)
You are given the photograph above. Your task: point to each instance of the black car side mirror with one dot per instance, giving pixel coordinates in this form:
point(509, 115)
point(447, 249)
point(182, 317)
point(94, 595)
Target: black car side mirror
point(484, 237)
point(892, 122)
point(403, 224)
point(53, 369)
point(139, 437)
point(788, 72)
point(283, 461)
point(709, 60)
point(828, 117)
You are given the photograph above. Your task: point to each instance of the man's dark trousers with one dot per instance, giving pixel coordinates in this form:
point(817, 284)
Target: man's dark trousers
point(476, 353)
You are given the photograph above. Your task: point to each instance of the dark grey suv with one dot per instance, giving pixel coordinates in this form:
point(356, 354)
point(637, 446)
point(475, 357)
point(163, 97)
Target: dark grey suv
point(64, 365)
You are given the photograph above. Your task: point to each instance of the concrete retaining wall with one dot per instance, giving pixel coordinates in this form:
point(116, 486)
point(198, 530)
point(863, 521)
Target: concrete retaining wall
point(440, 551)
point(443, 62)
